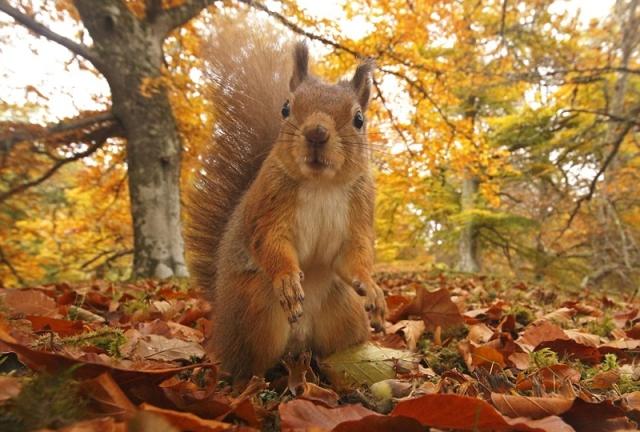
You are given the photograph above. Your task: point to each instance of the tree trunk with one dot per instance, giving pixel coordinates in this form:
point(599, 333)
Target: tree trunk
point(131, 58)
point(468, 243)
point(468, 246)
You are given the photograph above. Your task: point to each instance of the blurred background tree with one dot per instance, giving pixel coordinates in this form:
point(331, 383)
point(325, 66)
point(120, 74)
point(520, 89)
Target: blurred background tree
point(505, 134)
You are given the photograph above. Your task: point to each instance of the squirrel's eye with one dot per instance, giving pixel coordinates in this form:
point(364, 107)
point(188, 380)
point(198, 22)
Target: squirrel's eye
point(286, 110)
point(358, 120)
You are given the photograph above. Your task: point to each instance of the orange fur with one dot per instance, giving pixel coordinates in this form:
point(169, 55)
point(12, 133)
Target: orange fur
point(284, 250)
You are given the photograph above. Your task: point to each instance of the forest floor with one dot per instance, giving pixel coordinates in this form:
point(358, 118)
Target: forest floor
point(461, 352)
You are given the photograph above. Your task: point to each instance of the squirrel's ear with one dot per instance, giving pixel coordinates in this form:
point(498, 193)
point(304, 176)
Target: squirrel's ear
point(300, 65)
point(361, 81)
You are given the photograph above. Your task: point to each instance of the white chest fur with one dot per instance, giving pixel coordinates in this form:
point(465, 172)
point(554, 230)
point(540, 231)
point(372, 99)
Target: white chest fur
point(321, 223)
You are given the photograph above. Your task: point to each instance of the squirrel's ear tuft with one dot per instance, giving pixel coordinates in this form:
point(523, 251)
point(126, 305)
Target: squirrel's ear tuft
point(300, 65)
point(361, 81)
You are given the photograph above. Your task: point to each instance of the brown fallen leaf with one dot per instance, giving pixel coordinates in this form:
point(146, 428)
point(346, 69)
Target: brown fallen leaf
point(486, 356)
point(410, 330)
point(297, 369)
point(191, 422)
point(189, 397)
point(480, 333)
point(396, 303)
point(572, 350)
point(434, 307)
point(374, 423)
point(605, 380)
point(138, 374)
point(561, 315)
point(107, 398)
point(597, 417)
point(631, 401)
point(514, 405)
point(156, 347)
point(583, 338)
point(102, 424)
point(30, 302)
point(300, 415)
point(9, 387)
point(538, 332)
point(315, 393)
point(553, 378)
point(148, 422)
point(62, 327)
point(451, 411)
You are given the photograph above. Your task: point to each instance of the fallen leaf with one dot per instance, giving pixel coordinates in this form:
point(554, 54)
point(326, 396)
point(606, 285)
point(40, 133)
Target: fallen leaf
point(60, 326)
point(572, 350)
point(107, 398)
point(103, 424)
point(538, 332)
point(450, 411)
point(514, 405)
point(366, 364)
point(480, 333)
point(410, 330)
point(156, 347)
point(605, 380)
point(597, 417)
point(486, 356)
point(315, 393)
point(9, 387)
point(552, 377)
point(374, 423)
point(191, 422)
point(303, 415)
point(31, 302)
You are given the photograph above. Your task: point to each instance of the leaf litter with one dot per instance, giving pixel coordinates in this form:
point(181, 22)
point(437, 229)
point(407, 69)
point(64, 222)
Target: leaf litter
point(460, 352)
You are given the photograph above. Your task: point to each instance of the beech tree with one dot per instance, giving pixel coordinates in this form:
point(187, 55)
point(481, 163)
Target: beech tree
point(127, 50)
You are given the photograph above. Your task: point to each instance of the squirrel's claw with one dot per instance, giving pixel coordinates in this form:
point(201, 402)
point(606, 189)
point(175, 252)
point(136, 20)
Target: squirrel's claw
point(289, 289)
point(374, 304)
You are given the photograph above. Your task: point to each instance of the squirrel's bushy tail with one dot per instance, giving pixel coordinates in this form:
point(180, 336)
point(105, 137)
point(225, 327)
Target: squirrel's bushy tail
point(248, 69)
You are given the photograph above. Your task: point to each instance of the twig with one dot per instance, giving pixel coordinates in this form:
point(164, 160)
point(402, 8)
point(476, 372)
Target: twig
point(38, 28)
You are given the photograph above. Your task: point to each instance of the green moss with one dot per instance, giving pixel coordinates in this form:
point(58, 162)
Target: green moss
point(457, 333)
point(523, 316)
point(46, 401)
point(602, 327)
point(610, 362)
point(544, 358)
point(442, 359)
point(107, 339)
point(626, 384)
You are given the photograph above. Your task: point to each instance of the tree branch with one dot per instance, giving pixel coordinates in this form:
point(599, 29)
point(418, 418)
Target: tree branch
point(41, 30)
point(19, 133)
point(297, 29)
point(96, 136)
point(617, 143)
point(175, 17)
point(4, 260)
point(152, 9)
point(612, 117)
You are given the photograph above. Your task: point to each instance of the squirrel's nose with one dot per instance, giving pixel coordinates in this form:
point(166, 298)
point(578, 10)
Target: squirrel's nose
point(316, 135)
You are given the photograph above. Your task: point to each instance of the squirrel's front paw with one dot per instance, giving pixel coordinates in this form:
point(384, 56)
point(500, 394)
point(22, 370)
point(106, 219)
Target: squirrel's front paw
point(289, 288)
point(375, 304)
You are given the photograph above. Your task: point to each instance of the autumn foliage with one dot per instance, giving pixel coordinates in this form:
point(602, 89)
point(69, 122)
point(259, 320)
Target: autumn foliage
point(504, 137)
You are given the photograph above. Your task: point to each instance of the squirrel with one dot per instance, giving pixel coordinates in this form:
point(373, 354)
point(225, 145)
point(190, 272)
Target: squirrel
point(280, 216)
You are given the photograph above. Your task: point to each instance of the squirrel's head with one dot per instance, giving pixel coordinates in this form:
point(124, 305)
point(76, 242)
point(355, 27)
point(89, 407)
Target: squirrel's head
point(323, 133)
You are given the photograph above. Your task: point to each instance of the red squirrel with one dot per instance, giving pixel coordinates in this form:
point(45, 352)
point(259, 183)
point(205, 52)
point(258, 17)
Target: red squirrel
point(280, 217)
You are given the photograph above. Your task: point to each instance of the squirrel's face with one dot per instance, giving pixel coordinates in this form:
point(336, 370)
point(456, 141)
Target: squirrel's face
point(323, 126)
